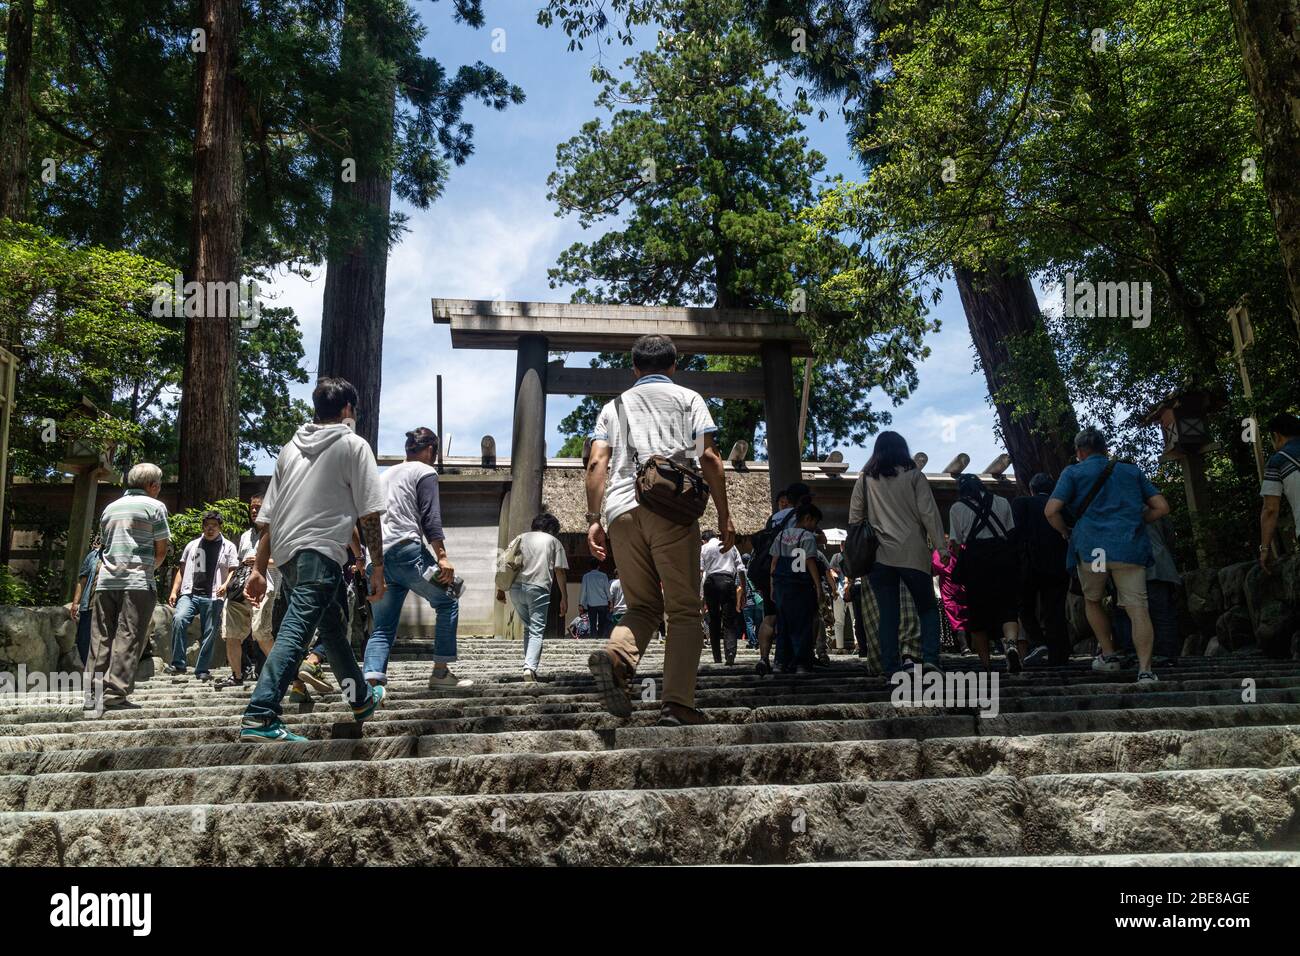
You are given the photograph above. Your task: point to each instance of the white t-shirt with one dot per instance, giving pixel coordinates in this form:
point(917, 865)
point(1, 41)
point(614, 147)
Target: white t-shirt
point(714, 561)
point(401, 521)
point(661, 419)
point(324, 479)
point(542, 553)
point(595, 589)
point(617, 601)
point(248, 542)
point(961, 518)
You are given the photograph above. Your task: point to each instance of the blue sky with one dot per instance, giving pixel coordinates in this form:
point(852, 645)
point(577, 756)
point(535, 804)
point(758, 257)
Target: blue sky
point(494, 234)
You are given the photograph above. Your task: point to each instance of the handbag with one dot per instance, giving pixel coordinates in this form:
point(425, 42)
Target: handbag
point(235, 583)
point(662, 486)
point(509, 563)
point(862, 543)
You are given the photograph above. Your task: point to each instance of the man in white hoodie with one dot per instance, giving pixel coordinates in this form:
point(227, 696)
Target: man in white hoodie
point(325, 480)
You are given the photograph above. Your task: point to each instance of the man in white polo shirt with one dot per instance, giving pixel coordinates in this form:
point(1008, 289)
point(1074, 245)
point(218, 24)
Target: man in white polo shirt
point(659, 418)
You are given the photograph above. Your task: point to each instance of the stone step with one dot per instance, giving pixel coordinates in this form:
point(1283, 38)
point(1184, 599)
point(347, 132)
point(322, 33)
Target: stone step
point(1180, 811)
point(658, 769)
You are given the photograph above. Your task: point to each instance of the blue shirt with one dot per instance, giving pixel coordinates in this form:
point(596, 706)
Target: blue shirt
point(89, 571)
point(1113, 522)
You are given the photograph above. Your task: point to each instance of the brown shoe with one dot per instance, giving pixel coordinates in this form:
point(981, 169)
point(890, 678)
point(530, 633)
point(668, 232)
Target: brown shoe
point(611, 682)
point(679, 715)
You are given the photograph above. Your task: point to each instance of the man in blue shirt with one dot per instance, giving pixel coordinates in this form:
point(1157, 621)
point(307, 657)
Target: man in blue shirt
point(1281, 477)
point(1109, 541)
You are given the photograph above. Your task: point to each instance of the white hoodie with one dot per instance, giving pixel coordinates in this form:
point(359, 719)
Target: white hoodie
point(324, 480)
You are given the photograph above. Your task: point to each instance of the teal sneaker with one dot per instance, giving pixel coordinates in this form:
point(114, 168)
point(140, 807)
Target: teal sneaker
point(372, 704)
point(274, 733)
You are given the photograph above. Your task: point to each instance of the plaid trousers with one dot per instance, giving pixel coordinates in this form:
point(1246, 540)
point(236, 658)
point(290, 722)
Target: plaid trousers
point(909, 626)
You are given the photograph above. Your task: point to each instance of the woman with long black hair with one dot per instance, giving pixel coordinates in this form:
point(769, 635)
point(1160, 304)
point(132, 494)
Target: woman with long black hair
point(895, 497)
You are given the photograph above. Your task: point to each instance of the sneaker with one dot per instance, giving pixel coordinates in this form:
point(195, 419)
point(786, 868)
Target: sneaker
point(372, 704)
point(270, 734)
point(762, 668)
point(172, 669)
point(250, 672)
point(315, 675)
point(448, 679)
point(299, 695)
point(611, 682)
point(227, 682)
point(204, 677)
point(804, 669)
point(679, 715)
point(1147, 677)
point(122, 704)
point(530, 677)
point(1037, 657)
point(1106, 662)
point(1013, 660)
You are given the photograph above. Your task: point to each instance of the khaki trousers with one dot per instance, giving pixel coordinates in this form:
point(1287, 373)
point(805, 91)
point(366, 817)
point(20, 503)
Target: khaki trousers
point(240, 616)
point(119, 631)
point(649, 551)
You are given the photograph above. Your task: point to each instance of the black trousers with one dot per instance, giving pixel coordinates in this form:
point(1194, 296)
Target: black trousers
point(720, 599)
point(1042, 611)
point(853, 609)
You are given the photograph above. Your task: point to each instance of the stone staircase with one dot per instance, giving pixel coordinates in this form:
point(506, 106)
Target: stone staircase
point(1077, 768)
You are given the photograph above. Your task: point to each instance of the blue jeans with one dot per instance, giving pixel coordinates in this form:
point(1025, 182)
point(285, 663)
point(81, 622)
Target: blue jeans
point(599, 619)
point(313, 589)
point(884, 579)
point(404, 567)
point(532, 602)
point(209, 612)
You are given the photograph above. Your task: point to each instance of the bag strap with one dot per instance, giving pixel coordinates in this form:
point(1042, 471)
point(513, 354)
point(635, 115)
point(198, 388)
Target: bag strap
point(626, 428)
point(1096, 487)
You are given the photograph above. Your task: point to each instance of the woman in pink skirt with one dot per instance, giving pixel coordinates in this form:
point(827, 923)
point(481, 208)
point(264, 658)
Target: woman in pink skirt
point(952, 598)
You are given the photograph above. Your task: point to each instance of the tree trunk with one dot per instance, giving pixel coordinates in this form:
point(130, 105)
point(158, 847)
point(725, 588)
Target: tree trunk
point(209, 420)
point(15, 136)
point(1269, 34)
point(1000, 304)
point(352, 314)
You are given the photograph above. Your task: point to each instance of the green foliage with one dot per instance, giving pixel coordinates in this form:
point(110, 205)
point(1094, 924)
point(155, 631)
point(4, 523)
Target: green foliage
point(79, 322)
point(14, 590)
point(716, 195)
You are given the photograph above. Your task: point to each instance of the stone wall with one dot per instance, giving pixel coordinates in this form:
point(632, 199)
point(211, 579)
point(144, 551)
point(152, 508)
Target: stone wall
point(1240, 607)
point(45, 639)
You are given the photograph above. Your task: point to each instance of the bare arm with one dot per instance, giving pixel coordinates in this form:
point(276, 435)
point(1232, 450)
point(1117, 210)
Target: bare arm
point(1157, 508)
point(1052, 512)
point(255, 587)
point(711, 466)
point(597, 474)
point(1268, 515)
point(75, 607)
point(373, 534)
point(561, 583)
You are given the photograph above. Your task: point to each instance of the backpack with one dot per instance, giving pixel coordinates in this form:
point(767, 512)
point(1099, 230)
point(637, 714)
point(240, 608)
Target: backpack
point(509, 564)
point(986, 552)
point(760, 564)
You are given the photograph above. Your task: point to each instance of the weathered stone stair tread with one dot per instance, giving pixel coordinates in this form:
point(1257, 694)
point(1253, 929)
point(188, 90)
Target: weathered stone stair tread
point(1248, 858)
point(659, 768)
point(1214, 810)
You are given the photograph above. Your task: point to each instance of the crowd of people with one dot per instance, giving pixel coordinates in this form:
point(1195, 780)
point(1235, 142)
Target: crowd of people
point(332, 532)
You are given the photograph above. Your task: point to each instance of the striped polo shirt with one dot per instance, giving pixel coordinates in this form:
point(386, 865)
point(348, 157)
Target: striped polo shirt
point(128, 528)
point(1282, 477)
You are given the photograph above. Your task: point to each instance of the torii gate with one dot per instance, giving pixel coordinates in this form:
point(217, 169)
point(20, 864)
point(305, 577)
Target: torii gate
point(534, 329)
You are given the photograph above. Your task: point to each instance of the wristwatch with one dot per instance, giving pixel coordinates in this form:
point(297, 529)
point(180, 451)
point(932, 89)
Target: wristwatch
point(593, 517)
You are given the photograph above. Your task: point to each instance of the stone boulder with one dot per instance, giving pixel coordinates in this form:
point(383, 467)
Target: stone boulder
point(1232, 631)
point(41, 638)
point(1232, 583)
point(1204, 599)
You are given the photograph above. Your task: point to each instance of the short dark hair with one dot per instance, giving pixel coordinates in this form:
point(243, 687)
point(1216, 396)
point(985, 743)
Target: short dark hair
point(420, 438)
point(889, 457)
point(653, 353)
point(212, 516)
point(708, 535)
point(1041, 483)
point(797, 492)
point(1285, 424)
point(971, 487)
point(331, 396)
point(1091, 439)
point(547, 522)
point(807, 509)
